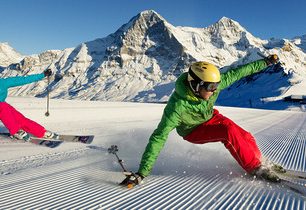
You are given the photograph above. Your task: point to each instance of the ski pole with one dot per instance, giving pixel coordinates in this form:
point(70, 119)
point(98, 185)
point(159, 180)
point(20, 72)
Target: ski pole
point(113, 150)
point(126, 182)
point(48, 98)
point(48, 90)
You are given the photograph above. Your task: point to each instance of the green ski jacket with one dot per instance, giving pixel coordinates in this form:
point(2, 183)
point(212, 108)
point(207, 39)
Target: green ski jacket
point(184, 111)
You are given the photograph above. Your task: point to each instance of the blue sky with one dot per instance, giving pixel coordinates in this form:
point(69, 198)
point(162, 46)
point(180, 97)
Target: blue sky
point(33, 26)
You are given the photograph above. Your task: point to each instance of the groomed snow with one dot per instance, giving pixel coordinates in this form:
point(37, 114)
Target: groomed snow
point(186, 176)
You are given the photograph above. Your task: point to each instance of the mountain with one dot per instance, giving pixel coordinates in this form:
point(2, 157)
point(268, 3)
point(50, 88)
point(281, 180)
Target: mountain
point(300, 41)
point(8, 55)
point(143, 58)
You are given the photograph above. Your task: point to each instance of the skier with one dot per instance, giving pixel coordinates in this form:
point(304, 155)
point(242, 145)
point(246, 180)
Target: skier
point(18, 125)
point(190, 110)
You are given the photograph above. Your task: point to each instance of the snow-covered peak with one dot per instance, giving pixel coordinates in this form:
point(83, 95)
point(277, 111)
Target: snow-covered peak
point(228, 31)
point(150, 14)
point(8, 55)
point(227, 26)
point(148, 18)
point(141, 21)
point(145, 36)
point(143, 58)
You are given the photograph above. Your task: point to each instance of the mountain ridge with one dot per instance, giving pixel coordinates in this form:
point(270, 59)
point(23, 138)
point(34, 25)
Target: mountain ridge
point(142, 59)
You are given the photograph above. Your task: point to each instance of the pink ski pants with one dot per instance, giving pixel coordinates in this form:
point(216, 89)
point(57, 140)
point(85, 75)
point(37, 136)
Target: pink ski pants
point(240, 143)
point(14, 121)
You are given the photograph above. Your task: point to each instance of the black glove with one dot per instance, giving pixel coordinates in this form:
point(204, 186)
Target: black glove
point(132, 179)
point(272, 59)
point(48, 72)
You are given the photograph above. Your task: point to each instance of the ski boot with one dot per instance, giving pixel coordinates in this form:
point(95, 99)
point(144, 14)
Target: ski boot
point(265, 173)
point(50, 135)
point(22, 135)
point(278, 169)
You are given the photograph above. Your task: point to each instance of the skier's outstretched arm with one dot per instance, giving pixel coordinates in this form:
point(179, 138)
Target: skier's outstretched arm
point(22, 80)
point(169, 121)
point(233, 75)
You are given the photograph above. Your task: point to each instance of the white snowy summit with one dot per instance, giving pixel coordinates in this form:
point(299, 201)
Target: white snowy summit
point(8, 55)
point(143, 58)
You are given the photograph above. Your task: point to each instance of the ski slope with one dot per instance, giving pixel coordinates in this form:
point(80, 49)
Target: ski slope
point(186, 176)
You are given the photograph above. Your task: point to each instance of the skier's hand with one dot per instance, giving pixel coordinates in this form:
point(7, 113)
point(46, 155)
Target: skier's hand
point(132, 179)
point(48, 72)
point(272, 59)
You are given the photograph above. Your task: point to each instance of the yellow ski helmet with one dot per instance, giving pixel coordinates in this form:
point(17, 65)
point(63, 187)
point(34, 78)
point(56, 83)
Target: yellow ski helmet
point(203, 71)
point(203, 75)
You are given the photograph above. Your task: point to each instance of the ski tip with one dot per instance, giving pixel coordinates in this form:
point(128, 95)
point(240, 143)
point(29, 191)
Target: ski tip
point(90, 139)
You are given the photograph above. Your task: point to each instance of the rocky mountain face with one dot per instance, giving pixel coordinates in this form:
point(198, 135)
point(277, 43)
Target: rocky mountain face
point(143, 58)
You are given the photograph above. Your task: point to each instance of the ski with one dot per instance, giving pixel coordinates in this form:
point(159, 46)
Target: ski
point(291, 179)
point(85, 139)
point(295, 187)
point(39, 142)
point(46, 143)
point(291, 183)
point(279, 170)
point(53, 143)
point(295, 174)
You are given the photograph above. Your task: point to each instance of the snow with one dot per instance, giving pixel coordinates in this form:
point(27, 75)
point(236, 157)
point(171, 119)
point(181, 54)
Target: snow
point(185, 176)
point(8, 55)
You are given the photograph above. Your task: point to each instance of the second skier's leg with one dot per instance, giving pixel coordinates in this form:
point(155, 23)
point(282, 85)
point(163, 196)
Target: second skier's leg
point(21, 122)
point(8, 118)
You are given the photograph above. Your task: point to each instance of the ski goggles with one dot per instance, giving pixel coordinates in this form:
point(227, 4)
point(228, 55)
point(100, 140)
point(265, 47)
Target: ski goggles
point(209, 86)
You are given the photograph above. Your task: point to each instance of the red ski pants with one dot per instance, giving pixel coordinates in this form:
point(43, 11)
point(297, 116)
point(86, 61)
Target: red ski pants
point(240, 143)
point(14, 121)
